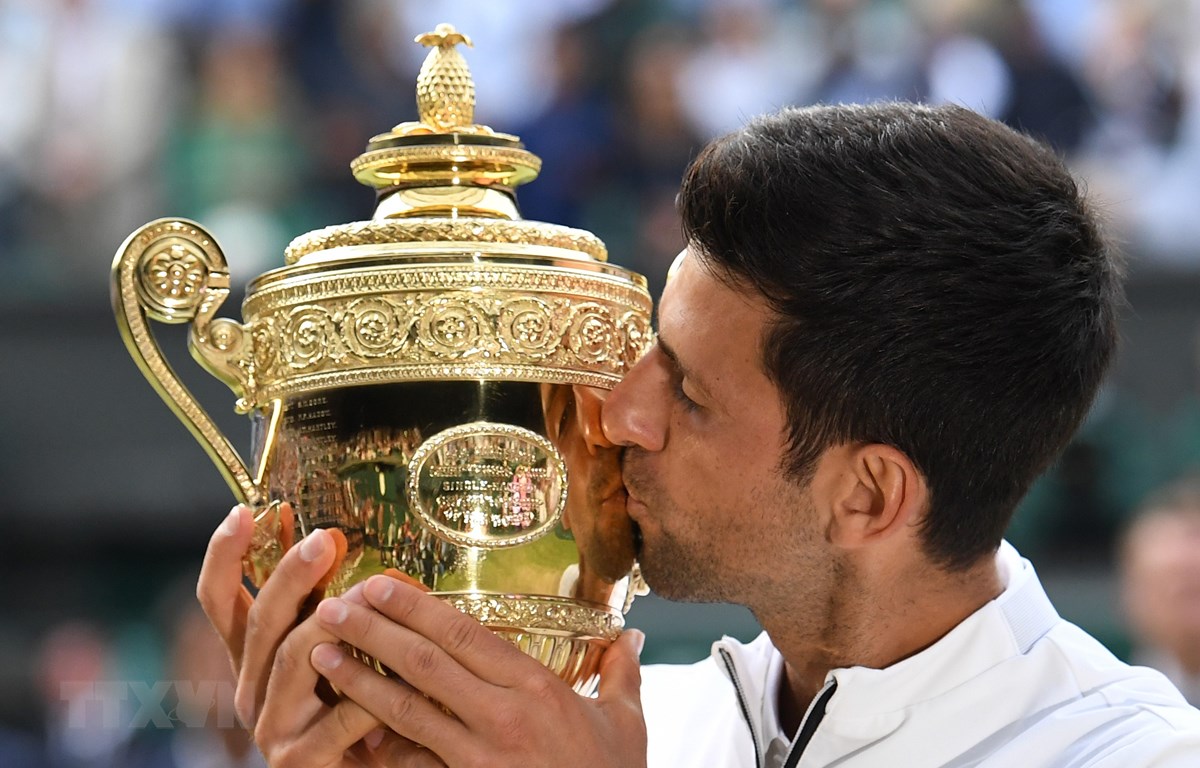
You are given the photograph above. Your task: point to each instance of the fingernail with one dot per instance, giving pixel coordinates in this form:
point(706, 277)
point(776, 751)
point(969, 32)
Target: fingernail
point(332, 610)
point(639, 640)
point(314, 545)
point(374, 738)
point(229, 526)
point(246, 718)
point(379, 588)
point(327, 656)
point(354, 594)
point(243, 707)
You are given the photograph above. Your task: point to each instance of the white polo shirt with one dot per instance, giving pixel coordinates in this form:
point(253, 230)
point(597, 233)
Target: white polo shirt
point(1012, 686)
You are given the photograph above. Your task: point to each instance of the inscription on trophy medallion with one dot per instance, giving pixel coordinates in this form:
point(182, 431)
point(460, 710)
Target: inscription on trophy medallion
point(488, 485)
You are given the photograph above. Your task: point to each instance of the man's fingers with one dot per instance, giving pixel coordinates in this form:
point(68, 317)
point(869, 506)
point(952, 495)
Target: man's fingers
point(324, 741)
point(416, 659)
point(291, 700)
point(275, 611)
point(220, 590)
point(340, 547)
point(621, 673)
point(397, 705)
point(468, 642)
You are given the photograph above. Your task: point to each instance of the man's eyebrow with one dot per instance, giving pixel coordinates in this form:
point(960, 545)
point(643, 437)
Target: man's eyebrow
point(684, 372)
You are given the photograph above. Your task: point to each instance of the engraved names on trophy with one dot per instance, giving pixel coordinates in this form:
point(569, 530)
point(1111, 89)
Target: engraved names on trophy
point(320, 493)
point(488, 485)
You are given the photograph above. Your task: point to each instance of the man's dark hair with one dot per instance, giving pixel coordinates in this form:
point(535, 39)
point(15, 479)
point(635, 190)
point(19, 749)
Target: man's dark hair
point(940, 286)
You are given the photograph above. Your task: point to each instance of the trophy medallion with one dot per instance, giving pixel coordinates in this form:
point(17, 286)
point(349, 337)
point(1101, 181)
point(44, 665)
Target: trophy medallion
point(422, 381)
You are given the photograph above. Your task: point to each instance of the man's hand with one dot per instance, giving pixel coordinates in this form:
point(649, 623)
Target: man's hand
point(277, 686)
point(508, 709)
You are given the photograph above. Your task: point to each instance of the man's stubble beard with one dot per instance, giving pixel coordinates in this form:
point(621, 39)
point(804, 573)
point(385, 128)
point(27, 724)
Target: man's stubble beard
point(772, 565)
point(672, 568)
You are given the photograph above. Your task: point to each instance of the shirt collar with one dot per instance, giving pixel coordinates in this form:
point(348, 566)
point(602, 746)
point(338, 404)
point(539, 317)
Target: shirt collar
point(1004, 627)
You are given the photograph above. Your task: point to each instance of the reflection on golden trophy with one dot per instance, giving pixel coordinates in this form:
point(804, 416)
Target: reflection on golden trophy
point(428, 382)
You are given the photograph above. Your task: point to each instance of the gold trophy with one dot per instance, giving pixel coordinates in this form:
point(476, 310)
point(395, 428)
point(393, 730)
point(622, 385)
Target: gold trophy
point(423, 381)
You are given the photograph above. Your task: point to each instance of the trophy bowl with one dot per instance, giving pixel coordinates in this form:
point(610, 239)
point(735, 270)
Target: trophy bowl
point(428, 382)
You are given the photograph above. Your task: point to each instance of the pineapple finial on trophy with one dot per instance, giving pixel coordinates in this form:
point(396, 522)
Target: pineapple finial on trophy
point(445, 90)
point(445, 164)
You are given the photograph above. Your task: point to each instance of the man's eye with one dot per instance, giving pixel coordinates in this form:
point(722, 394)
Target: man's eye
point(687, 402)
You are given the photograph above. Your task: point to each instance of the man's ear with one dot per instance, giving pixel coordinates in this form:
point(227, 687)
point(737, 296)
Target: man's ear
point(588, 403)
point(878, 493)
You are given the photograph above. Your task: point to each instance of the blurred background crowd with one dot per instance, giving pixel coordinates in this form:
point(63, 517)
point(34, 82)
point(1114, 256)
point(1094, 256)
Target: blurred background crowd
point(244, 115)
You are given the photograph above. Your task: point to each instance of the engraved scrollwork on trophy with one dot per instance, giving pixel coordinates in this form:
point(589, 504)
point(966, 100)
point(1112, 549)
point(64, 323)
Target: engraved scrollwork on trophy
point(307, 336)
point(534, 613)
point(464, 230)
point(222, 346)
point(225, 335)
point(591, 334)
point(453, 327)
point(171, 276)
point(636, 336)
point(527, 328)
point(263, 344)
point(374, 327)
point(380, 327)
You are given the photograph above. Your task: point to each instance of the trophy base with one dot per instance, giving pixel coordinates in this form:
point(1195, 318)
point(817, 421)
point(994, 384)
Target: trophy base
point(567, 636)
point(570, 643)
point(576, 660)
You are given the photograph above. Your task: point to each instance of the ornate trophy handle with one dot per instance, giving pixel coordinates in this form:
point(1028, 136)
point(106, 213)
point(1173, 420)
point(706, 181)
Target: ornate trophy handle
point(172, 270)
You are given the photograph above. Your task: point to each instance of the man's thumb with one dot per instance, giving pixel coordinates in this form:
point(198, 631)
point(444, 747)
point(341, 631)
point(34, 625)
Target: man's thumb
point(620, 669)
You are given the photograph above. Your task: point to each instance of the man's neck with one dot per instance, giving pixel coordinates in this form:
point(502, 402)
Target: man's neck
point(876, 628)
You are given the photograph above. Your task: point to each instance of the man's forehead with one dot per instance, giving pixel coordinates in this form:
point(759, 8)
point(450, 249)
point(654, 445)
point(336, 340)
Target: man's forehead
point(676, 263)
point(672, 307)
point(696, 296)
point(704, 324)
point(672, 277)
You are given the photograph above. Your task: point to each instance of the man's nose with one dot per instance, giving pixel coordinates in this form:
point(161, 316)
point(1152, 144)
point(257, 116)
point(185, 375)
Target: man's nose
point(637, 411)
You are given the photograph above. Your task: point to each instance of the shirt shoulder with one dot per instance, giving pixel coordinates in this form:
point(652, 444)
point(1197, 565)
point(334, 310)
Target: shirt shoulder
point(692, 717)
point(1096, 711)
point(671, 692)
point(1096, 672)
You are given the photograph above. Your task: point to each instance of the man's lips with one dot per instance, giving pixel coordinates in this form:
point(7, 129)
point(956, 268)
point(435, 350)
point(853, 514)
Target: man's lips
point(634, 506)
point(618, 493)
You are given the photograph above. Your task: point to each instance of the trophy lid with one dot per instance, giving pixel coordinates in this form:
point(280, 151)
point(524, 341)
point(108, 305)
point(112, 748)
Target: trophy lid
point(445, 147)
point(446, 280)
point(448, 171)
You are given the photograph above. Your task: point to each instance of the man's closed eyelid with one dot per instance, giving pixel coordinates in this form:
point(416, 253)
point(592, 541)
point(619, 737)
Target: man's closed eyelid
point(682, 396)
